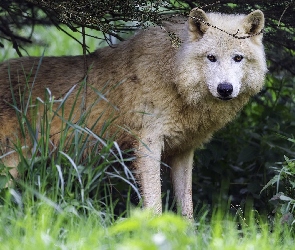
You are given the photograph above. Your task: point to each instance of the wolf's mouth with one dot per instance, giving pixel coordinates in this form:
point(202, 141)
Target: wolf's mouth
point(225, 98)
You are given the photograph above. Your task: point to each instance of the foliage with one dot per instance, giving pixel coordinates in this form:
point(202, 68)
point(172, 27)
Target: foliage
point(79, 171)
point(284, 199)
point(52, 42)
point(112, 18)
point(115, 18)
point(43, 227)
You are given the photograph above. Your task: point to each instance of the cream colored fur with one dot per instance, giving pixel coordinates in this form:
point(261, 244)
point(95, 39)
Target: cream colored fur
point(168, 97)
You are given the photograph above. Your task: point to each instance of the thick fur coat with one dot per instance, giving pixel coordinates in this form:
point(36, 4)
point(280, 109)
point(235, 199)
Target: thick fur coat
point(172, 96)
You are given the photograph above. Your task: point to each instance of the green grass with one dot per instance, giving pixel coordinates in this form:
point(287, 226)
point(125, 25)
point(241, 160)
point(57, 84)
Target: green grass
point(64, 200)
point(43, 227)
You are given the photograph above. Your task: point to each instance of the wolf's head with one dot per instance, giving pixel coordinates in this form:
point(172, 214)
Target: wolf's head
point(221, 57)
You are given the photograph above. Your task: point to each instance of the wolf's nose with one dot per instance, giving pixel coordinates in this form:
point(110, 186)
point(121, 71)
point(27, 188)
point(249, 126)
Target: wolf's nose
point(225, 89)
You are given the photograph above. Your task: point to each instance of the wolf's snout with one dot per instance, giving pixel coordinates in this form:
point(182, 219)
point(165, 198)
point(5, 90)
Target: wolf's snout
point(225, 90)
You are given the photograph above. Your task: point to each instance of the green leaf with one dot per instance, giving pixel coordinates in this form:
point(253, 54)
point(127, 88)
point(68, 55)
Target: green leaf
point(3, 181)
point(274, 180)
point(291, 140)
point(285, 198)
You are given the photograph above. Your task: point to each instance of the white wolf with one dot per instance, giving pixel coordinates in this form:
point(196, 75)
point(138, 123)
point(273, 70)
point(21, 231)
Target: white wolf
point(173, 97)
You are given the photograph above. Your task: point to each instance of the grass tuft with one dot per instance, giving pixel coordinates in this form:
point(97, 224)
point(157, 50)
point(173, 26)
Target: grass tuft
point(78, 174)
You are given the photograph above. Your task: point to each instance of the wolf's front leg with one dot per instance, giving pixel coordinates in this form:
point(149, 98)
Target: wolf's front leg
point(181, 167)
point(148, 173)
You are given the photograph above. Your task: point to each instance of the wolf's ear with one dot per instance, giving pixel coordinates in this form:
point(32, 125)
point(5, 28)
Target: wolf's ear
point(254, 22)
point(197, 22)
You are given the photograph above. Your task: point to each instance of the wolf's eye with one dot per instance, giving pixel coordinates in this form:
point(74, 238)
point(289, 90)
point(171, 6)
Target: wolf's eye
point(211, 58)
point(238, 58)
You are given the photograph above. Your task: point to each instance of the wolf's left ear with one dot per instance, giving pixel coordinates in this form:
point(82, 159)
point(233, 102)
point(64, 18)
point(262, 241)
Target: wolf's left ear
point(254, 22)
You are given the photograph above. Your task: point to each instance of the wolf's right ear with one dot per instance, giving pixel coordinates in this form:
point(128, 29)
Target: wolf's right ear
point(197, 23)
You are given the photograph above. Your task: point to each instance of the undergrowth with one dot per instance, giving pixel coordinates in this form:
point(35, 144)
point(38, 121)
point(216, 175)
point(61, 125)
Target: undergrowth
point(81, 172)
point(44, 227)
point(284, 182)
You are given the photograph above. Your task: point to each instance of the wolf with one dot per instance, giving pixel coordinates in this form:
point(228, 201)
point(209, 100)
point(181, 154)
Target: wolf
point(173, 95)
